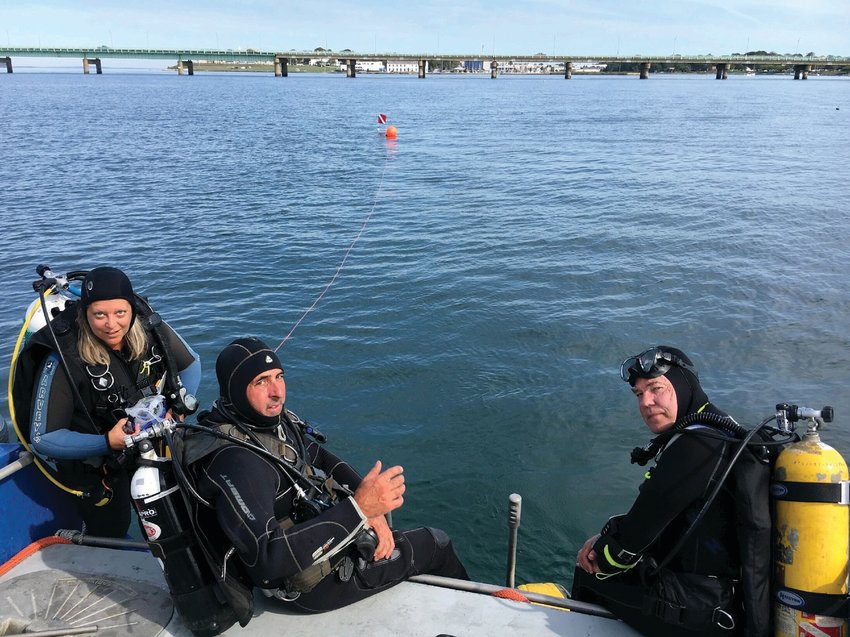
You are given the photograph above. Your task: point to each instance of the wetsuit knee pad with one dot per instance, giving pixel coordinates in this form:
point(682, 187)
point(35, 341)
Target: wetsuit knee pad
point(440, 537)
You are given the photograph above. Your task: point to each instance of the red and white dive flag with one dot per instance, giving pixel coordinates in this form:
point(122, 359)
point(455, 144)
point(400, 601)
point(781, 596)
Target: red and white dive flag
point(382, 119)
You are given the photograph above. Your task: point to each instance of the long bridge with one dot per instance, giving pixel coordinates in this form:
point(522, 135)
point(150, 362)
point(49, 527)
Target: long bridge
point(186, 58)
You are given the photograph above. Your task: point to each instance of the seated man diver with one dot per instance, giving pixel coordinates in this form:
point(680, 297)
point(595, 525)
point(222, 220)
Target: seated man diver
point(672, 565)
point(302, 524)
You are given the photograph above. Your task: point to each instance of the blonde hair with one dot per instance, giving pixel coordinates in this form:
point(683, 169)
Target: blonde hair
point(94, 352)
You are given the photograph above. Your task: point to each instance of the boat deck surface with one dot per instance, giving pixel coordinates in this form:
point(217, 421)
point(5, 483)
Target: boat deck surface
point(123, 592)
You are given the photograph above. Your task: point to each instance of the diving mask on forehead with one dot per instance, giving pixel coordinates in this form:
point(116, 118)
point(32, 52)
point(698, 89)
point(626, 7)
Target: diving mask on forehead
point(652, 363)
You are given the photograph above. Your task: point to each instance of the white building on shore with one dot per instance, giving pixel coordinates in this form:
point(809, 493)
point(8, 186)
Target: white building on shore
point(391, 66)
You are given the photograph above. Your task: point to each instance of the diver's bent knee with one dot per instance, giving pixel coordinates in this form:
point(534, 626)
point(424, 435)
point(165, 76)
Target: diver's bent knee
point(440, 537)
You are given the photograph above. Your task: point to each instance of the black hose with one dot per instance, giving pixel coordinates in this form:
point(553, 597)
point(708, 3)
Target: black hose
point(719, 421)
point(78, 537)
point(181, 476)
point(725, 427)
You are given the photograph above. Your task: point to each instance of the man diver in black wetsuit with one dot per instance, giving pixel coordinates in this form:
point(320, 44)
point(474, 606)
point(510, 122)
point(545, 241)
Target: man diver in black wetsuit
point(305, 526)
point(616, 568)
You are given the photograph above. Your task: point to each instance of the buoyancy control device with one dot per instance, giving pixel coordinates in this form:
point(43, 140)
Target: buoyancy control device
point(811, 491)
point(747, 476)
point(56, 294)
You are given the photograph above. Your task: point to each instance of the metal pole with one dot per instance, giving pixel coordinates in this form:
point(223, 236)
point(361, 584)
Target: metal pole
point(514, 514)
point(23, 460)
point(489, 589)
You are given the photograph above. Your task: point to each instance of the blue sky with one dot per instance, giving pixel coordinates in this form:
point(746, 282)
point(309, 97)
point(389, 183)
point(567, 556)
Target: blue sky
point(571, 27)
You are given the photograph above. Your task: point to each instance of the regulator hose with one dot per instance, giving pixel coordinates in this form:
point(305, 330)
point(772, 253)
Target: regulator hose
point(725, 424)
point(21, 437)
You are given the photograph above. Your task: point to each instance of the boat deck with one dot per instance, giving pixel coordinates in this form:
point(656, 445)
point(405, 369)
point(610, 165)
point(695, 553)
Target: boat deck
point(123, 592)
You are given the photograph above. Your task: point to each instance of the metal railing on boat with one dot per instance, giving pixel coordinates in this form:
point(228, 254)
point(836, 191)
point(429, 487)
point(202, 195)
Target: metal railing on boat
point(489, 589)
point(24, 459)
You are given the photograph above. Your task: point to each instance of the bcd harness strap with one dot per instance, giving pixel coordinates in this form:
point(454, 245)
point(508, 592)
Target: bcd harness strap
point(675, 614)
point(179, 400)
point(306, 580)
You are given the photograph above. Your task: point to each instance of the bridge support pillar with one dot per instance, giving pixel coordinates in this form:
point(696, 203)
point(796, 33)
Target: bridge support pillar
point(422, 64)
point(644, 70)
point(188, 65)
point(350, 71)
point(281, 66)
point(722, 71)
point(494, 69)
point(96, 61)
point(568, 70)
point(801, 71)
point(8, 62)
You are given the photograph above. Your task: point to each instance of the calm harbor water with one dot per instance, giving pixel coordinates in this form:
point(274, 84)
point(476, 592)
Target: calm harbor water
point(524, 235)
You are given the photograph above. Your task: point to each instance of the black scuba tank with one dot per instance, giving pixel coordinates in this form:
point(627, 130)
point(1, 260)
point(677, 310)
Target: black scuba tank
point(168, 530)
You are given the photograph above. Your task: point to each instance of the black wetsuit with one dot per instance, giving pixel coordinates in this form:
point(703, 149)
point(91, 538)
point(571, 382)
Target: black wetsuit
point(669, 499)
point(254, 498)
point(72, 437)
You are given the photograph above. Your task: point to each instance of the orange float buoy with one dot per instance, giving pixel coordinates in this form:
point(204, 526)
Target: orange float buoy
point(391, 132)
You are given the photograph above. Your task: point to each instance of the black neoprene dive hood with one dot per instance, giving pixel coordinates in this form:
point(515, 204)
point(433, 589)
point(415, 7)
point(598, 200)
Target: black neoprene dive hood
point(237, 365)
point(689, 393)
point(106, 284)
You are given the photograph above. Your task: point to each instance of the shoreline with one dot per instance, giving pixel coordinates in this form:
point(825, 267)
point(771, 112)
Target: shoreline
point(235, 67)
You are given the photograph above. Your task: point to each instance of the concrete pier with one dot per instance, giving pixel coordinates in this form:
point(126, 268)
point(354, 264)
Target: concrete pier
point(97, 66)
point(722, 71)
point(281, 66)
point(494, 69)
point(422, 64)
point(8, 62)
point(350, 71)
point(189, 65)
point(644, 70)
point(568, 70)
point(801, 71)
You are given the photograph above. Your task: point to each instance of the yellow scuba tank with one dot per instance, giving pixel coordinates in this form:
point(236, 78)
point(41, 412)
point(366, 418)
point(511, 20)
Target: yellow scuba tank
point(812, 531)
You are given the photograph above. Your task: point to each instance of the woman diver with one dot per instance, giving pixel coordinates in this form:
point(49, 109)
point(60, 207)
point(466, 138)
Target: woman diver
point(96, 358)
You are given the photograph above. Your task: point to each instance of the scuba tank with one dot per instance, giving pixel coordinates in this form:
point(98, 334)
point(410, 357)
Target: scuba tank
point(54, 303)
point(168, 531)
point(812, 530)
